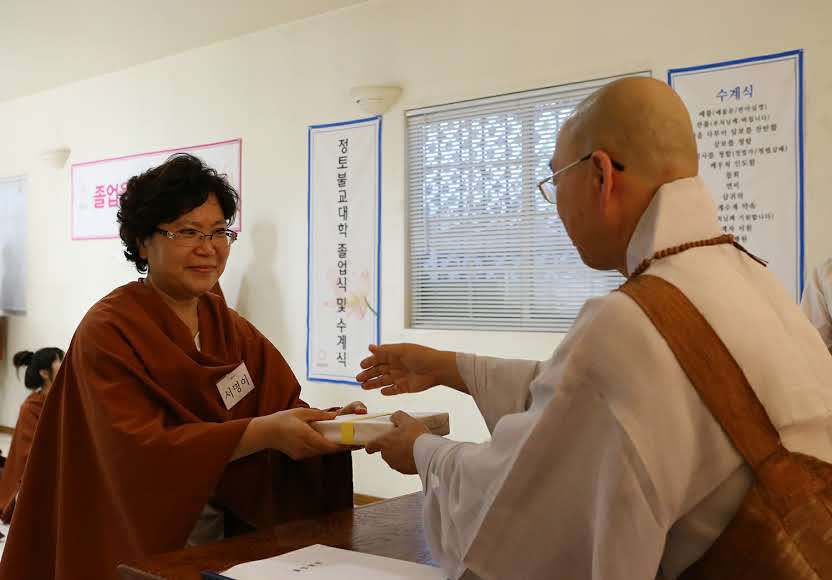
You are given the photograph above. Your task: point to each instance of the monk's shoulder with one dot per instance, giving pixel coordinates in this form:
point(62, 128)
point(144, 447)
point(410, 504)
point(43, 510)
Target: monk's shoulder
point(606, 323)
point(613, 309)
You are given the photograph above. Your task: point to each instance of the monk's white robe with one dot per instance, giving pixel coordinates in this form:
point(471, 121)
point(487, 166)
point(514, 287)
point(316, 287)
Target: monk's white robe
point(603, 462)
point(817, 299)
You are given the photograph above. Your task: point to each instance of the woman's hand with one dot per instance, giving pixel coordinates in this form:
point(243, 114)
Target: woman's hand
point(354, 408)
point(288, 432)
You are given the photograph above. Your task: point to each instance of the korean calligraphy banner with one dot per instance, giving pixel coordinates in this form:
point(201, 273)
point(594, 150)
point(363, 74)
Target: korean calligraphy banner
point(748, 119)
point(98, 185)
point(343, 301)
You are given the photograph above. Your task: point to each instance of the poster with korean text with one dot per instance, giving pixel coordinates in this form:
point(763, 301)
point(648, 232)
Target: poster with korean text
point(343, 302)
point(748, 119)
point(98, 185)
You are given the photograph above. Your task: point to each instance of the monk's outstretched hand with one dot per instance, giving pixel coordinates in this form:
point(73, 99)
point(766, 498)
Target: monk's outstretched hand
point(408, 368)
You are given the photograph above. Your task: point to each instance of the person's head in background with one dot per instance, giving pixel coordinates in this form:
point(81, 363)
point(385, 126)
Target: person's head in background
point(621, 145)
point(41, 366)
point(166, 216)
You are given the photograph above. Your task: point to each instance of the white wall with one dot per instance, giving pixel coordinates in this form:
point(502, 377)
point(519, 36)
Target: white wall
point(268, 86)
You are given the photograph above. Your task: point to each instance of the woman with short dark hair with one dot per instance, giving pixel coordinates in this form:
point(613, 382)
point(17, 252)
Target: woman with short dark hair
point(41, 368)
point(161, 424)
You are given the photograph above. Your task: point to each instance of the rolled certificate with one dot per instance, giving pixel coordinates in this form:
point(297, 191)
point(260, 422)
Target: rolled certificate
point(361, 429)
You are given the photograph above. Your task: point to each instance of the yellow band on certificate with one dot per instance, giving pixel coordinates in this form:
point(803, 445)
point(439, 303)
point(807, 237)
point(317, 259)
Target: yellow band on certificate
point(348, 427)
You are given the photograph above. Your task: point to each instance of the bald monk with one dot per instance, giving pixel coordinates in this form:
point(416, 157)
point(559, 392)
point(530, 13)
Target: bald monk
point(603, 462)
point(41, 369)
point(173, 420)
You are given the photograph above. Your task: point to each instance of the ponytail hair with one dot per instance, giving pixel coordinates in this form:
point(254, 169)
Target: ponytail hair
point(36, 362)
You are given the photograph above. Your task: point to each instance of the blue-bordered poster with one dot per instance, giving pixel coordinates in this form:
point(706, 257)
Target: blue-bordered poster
point(748, 118)
point(344, 297)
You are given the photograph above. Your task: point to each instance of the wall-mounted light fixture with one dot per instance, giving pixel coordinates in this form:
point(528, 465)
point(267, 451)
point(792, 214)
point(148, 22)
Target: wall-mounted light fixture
point(56, 158)
point(375, 100)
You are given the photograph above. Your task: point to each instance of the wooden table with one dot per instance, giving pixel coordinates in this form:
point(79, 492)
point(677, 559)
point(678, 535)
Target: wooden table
point(391, 528)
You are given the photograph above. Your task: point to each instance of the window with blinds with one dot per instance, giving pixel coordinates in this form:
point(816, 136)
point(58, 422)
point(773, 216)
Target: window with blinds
point(486, 252)
point(13, 245)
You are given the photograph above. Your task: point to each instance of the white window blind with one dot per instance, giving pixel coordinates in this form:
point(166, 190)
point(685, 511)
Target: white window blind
point(13, 245)
point(486, 252)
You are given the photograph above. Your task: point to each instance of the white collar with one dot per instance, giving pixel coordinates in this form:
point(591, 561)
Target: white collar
point(681, 211)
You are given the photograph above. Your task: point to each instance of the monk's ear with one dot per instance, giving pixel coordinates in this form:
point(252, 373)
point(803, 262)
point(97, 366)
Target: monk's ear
point(602, 174)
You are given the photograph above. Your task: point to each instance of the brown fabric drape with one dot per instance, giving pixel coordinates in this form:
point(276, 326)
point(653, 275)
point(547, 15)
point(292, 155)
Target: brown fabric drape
point(134, 441)
point(24, 433)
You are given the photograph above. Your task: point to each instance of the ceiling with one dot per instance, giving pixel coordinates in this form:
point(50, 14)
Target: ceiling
point(47, 43)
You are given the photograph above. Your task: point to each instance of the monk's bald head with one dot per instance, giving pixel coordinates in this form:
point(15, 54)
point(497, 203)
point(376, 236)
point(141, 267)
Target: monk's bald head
point(640, 122)
point(636, 122)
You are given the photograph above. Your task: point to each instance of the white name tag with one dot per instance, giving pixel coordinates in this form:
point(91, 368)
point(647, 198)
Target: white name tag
point(235, 385)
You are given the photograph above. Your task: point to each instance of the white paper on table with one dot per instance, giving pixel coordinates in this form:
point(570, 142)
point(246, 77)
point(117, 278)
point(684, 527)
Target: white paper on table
point(320, 562)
